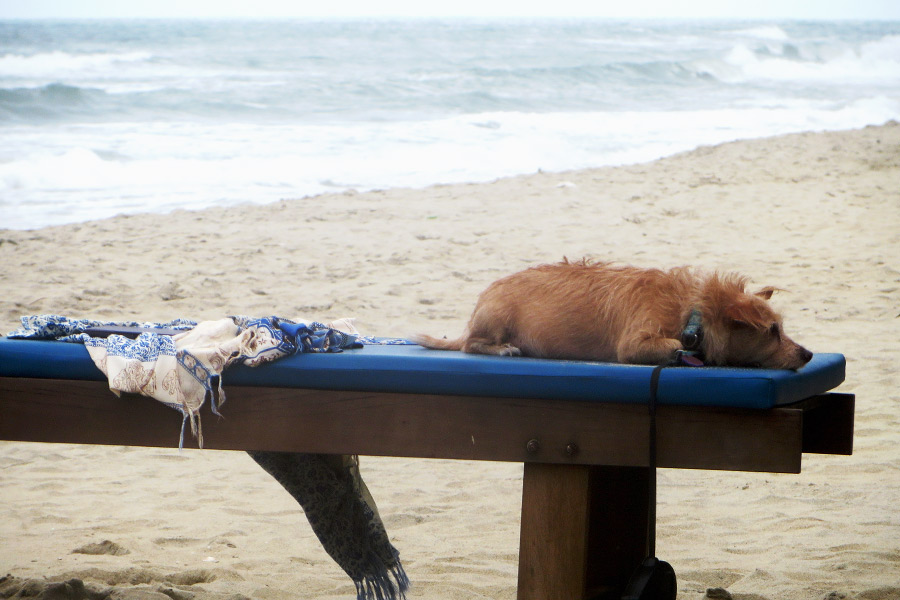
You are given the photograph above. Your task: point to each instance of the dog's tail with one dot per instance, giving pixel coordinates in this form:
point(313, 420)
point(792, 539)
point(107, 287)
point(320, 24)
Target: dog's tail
point(437, 343)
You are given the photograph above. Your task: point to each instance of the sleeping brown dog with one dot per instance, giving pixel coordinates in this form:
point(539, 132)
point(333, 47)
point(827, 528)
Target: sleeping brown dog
point(598, 311)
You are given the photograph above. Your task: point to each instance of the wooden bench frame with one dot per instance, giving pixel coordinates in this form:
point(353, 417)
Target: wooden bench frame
point(585, 506)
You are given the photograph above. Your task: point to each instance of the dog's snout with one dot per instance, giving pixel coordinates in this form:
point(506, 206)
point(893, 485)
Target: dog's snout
point(805, 355)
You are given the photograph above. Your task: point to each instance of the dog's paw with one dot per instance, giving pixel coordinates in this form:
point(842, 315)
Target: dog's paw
point(650, 351)
point(670, 346)
point(510, 350)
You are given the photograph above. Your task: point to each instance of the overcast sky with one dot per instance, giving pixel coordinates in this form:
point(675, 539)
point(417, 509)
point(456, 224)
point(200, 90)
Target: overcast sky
point(753, 9)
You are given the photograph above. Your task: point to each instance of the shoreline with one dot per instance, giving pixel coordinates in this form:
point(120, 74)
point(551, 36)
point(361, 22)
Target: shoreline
point(622, 158)
point(816, 214)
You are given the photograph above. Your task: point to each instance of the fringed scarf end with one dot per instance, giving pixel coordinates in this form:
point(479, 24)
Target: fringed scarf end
point(196, 429)
point(380, 587)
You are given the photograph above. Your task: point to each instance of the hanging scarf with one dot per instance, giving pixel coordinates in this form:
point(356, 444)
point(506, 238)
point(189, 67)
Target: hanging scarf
point(343, 516)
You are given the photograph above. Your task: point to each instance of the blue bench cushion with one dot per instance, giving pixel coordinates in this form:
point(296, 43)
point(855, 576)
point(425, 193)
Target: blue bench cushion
point(413, 369)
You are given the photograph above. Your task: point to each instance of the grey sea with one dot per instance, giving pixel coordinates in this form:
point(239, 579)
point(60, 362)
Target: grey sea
point(99, 118)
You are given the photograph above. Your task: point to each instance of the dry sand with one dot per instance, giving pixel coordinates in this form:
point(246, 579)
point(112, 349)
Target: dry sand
point(817, 214)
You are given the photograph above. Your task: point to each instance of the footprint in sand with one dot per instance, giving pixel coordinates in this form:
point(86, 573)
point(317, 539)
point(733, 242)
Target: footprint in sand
point(104, 547)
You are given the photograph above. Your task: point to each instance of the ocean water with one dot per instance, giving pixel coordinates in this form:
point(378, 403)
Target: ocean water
point(99, 118)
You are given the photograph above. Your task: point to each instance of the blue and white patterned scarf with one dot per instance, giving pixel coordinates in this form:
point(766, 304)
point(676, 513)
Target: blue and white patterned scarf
point(184, 370)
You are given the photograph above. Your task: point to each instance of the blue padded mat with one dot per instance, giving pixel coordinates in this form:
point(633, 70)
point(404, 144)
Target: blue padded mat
point(408, 368)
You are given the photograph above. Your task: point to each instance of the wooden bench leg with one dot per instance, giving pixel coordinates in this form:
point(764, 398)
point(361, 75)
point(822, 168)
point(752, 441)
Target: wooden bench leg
point(583, 530)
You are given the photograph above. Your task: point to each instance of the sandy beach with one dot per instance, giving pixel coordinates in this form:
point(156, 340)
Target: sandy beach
point(816, 214)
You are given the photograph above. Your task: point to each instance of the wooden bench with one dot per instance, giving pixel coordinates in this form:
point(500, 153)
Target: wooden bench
point(585, 506)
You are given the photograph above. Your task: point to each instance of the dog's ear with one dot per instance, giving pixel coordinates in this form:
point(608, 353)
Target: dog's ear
point(766, 292)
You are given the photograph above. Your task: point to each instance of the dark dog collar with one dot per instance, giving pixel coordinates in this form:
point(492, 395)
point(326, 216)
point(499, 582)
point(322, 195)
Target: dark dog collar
point(691, 341)
point(692, 334)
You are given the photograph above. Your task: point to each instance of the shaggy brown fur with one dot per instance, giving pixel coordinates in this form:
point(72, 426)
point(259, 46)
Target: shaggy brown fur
point(599, 311)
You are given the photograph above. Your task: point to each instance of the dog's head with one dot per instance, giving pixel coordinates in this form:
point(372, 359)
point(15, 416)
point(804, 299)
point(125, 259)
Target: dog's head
point(741, 329)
